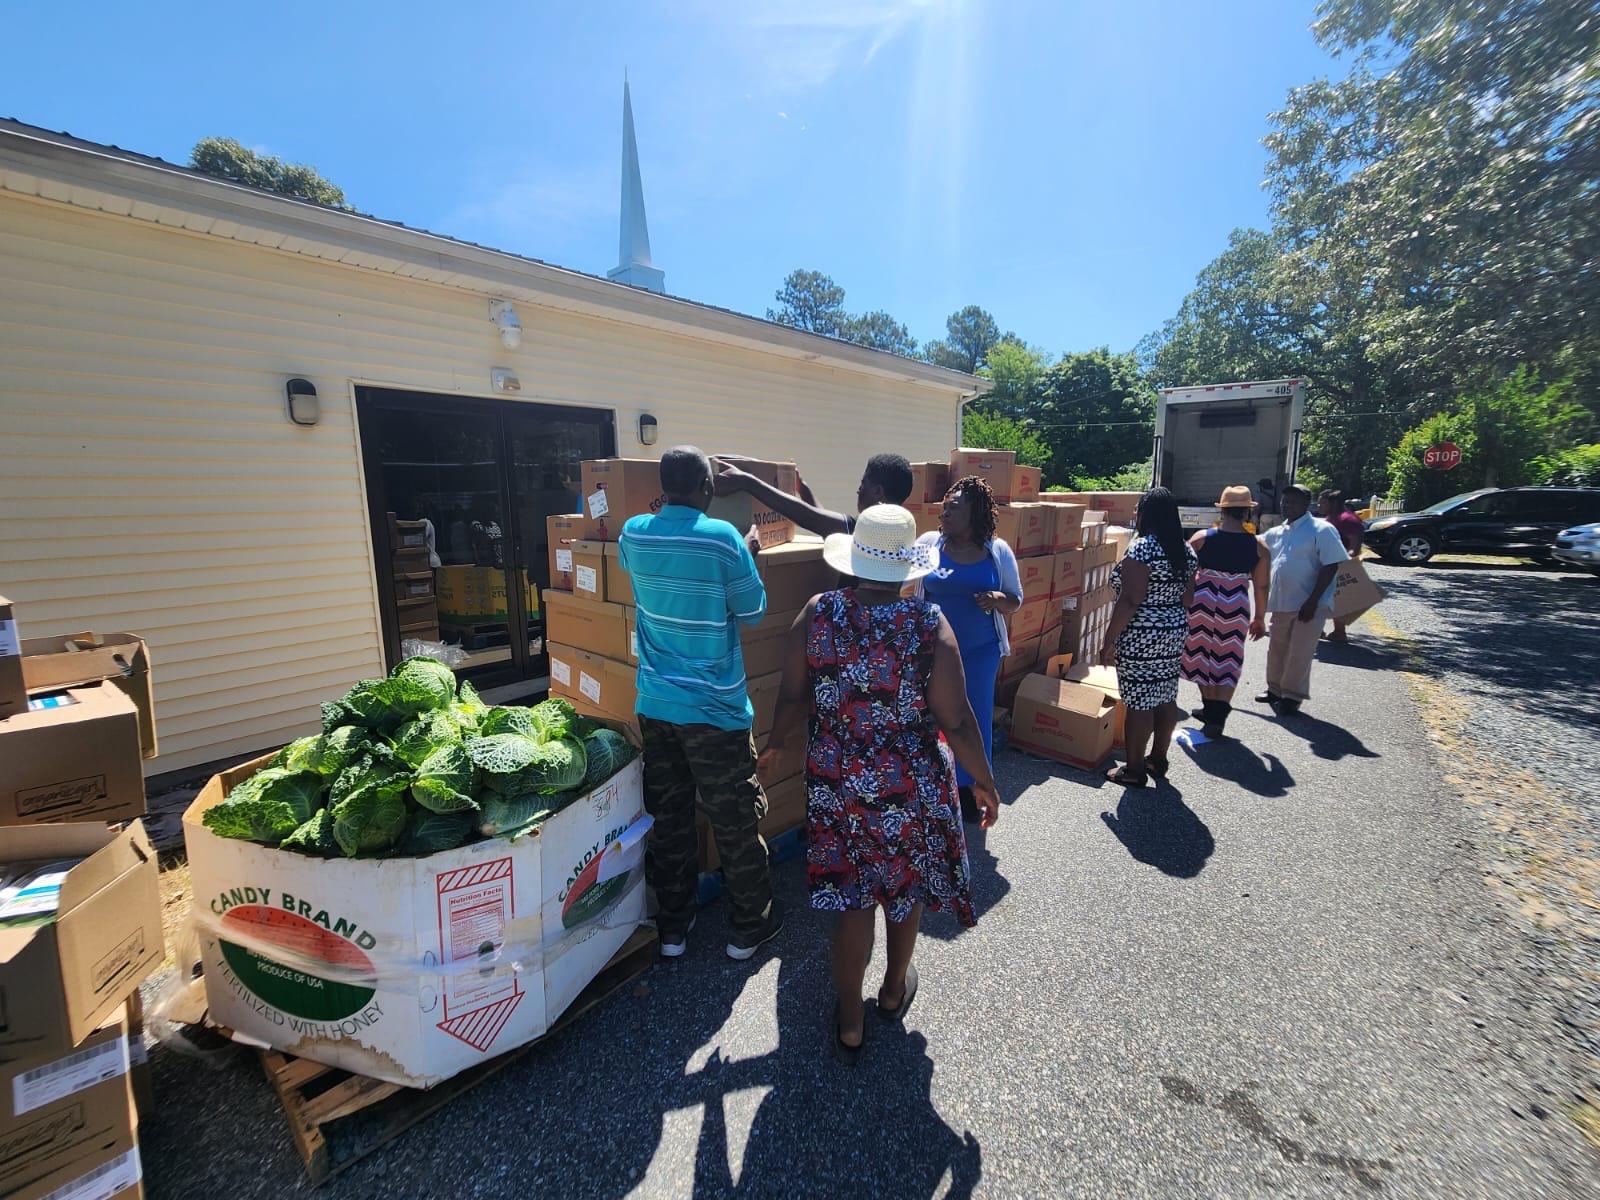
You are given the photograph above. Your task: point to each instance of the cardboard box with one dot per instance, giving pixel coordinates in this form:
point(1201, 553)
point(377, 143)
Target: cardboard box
point(1026, 484)
point(120, 658)
point(1354, 593)
point(994, 467)
point(794, 573)
point(139, 1073)
point(589, 569)
point(414, 586)
point(1103, 680)
point(76, 762)
point(62, 981)
point(13, 692)
point(1007, 526)
point(1063, 720)
point(1066, 573)
point(409, 562)
point(419, 613)
point(608, 687)
point(1052, 616)
point(1093, 531)
point(62, 1108)
point(560, 532)
point(112, 1172)
point(614, 489)
point(407, 535)
point(471, 595)
point(786, 805)
point(927, 516)
point(1067, 532)
point(742, 510)
point(592, 625)
point(513, 931)
point(632, 619)
point(1035, 529)
point(619, 584)
point(763, 691)
point(1038, 578)
point(929, 482)
point(1028, 621)
point(764, 643)
point(1120, 508)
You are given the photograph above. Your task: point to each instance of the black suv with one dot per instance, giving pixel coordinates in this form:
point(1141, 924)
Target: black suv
point(1514, 522)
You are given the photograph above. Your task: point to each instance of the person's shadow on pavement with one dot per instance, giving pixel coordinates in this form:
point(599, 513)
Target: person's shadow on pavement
point(1265, 775)
point(1159, 829)
point(1325, 739)
point(988, 887)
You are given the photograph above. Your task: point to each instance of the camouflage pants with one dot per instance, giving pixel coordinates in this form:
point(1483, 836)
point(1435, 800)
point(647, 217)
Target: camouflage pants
point(721, 764)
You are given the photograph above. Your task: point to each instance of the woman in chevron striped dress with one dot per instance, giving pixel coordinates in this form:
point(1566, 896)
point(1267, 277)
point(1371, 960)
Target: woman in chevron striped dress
point(1233, 563)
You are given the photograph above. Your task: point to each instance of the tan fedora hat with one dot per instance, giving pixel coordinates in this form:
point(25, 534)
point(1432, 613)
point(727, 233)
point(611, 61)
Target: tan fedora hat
point(1237, 496)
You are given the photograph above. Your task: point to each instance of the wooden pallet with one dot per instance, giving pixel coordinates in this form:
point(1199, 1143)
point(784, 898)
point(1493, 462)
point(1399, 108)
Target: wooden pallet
point(337, 1118)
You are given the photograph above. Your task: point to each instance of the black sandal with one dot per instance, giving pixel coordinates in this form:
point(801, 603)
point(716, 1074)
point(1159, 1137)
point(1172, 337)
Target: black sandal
point(898, 1012)
point(1156, 766)
point(842, 1050)
point(1121, 775)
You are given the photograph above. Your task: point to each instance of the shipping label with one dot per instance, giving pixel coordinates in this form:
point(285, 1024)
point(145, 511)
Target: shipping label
point(564, 561)
point(589, 686)
point(561, 672)
point(105, 1181)
point(10, 644)
point(584, 580)
point(598, 507)
point(65, 1076)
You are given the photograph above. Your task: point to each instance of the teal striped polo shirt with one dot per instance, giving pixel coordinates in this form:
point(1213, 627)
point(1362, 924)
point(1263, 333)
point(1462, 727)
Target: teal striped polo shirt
point(695, 583)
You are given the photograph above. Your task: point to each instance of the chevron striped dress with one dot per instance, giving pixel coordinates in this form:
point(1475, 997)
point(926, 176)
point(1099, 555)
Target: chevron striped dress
point(1219, 618)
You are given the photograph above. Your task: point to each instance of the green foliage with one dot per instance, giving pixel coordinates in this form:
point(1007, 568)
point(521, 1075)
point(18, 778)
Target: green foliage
point(314, 837)
point(1135, 477)
point(1016, 370)
point(510, 720)
point(1575, 467)
point(812, 301)
point(369, 821)
point(970, 336)
point(607, 752)
point(502, 753)
point(981, 428)
point(552, 718)
point(880, 331)
point(446, 781)
point(1502, 434)
point(329, 753)
point(226, 158)
point(512, 818)
point(431, 832)
point(429, 733)
point(1095, 413)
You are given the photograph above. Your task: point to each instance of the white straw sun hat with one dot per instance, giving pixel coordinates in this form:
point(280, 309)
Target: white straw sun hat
point(883, 548)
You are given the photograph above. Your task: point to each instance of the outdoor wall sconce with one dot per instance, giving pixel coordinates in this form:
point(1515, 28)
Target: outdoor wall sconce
point(505, 320)
point(647, 430)
point(304, 408)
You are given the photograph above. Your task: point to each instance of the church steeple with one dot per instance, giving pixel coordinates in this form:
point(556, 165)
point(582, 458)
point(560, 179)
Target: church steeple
point(633, 253)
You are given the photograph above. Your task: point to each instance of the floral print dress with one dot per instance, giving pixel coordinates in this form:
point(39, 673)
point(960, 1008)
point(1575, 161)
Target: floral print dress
point(882, 816)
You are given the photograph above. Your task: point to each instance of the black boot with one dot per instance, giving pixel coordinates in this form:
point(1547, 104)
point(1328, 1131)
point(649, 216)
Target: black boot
point(969, 806)
point(1216, 719)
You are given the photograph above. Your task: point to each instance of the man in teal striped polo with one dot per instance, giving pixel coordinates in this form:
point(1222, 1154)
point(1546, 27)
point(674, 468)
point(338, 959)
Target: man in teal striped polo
point(695, 582)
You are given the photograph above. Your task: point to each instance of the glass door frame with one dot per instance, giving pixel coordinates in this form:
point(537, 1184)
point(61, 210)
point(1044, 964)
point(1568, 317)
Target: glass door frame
point(371, 399)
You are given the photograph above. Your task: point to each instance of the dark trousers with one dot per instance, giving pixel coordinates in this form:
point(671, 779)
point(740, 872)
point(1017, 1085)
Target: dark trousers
point(721, 765)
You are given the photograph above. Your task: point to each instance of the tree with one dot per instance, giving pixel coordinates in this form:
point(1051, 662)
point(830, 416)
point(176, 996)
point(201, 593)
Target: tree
point(811, 301)
point(1016, 370)
point(971, 334)
point(880, 331)
point(995, 432)
point(225, 158)
point(1505, 435)
point(1096, 413)
point(1441, 198)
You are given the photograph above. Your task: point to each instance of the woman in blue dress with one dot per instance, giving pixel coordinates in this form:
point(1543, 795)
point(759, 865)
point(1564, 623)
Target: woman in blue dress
point(976, 585)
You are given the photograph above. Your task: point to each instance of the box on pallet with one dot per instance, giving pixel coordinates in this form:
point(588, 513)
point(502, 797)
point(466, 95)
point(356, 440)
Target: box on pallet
point(598, 574)
point(561, 530)
point(411, 970)
point(1007, 525)
point(78, 761)
point(1035, 530)
point(122, 659)
point(763, 644)
point(929, 482)
point(1038, 575)
point(1121, 508)
point(59, 982)
point(794, 573)
point(1028, 621)
point(1066, 573)
point(927, 515)
point(743, 511)
point(1026, 484)
point(994, 467)
point(614, 489)
point(1068, 527)
point(1093, 531)
point(608, 686)
point(67, 1110)
point(592, 625)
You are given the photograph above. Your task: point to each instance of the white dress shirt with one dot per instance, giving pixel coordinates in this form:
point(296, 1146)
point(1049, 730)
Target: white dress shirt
point(1300, 549)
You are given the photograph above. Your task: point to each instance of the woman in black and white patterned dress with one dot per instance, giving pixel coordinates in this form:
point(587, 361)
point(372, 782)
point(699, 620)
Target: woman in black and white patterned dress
point(1154, 583)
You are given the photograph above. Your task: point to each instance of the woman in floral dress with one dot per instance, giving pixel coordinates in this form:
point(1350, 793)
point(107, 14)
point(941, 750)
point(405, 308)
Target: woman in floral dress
point(880, 677)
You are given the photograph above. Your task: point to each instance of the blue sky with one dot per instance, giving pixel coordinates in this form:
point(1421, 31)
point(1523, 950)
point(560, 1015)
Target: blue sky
point(1069, 166)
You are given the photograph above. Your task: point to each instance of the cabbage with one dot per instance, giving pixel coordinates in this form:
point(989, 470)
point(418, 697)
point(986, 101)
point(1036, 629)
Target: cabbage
point(608, 752)
point(430, 832)
point(502, 753)
point(509, 720)
point(314, 837)
point(511, 818)
point(284, 756)
point(554, 767)
point(422, 684)
point(376, 772)
point(369, 821)
point(430, 732)
point(267, 807)
point(327, 755)
point(445, 781)
point(552, 718)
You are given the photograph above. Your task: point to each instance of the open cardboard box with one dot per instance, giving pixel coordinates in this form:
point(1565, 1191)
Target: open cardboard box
point(60, 982)
point(437, 963)
point(120, 658)
point(1063, 719)
point(79, 761)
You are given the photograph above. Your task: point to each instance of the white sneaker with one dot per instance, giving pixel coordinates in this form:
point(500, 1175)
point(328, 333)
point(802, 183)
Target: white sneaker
point(673, 945)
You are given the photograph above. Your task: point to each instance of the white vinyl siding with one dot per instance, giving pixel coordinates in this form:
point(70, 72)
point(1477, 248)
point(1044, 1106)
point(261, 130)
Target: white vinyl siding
point(151, 483)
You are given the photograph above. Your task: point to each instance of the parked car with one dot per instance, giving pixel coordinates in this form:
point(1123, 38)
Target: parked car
point(1512, 522)
point(1579, 546)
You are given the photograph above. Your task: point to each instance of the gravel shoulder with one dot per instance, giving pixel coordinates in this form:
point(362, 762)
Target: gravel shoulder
point(1282, 974)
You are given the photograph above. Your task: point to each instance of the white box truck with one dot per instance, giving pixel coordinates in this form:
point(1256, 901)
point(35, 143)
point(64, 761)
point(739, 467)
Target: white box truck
point(1227, 433)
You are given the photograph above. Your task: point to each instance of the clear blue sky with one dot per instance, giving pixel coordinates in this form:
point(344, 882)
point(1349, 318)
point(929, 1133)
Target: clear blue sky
point(1069, 166)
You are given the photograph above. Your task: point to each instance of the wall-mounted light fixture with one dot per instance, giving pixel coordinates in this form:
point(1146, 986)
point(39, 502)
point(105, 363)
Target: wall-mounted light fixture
point(647, 430)
point(505, 320)
point(304, 408)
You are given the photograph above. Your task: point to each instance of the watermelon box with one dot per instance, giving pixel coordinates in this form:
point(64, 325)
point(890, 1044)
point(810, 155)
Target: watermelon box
point(434, 964)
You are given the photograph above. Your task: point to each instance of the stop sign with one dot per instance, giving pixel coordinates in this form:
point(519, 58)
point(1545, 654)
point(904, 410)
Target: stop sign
point(1442, 457)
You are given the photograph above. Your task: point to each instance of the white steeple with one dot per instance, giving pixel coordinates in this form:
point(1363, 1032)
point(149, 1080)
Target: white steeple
point(633, 254)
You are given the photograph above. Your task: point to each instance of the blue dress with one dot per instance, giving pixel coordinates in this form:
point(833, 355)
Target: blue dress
point(954, 591)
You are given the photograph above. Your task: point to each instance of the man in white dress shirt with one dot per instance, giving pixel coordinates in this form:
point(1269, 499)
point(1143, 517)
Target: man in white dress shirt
point(1306, 553)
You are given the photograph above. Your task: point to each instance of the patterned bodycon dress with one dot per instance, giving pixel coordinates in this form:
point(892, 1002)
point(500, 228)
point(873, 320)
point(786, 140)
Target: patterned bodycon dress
point(1150, 647)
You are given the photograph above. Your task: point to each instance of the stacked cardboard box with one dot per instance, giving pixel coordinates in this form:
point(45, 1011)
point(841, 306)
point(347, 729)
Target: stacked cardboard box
point(80, 927)
point(1072, 714)
point(416, 606)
